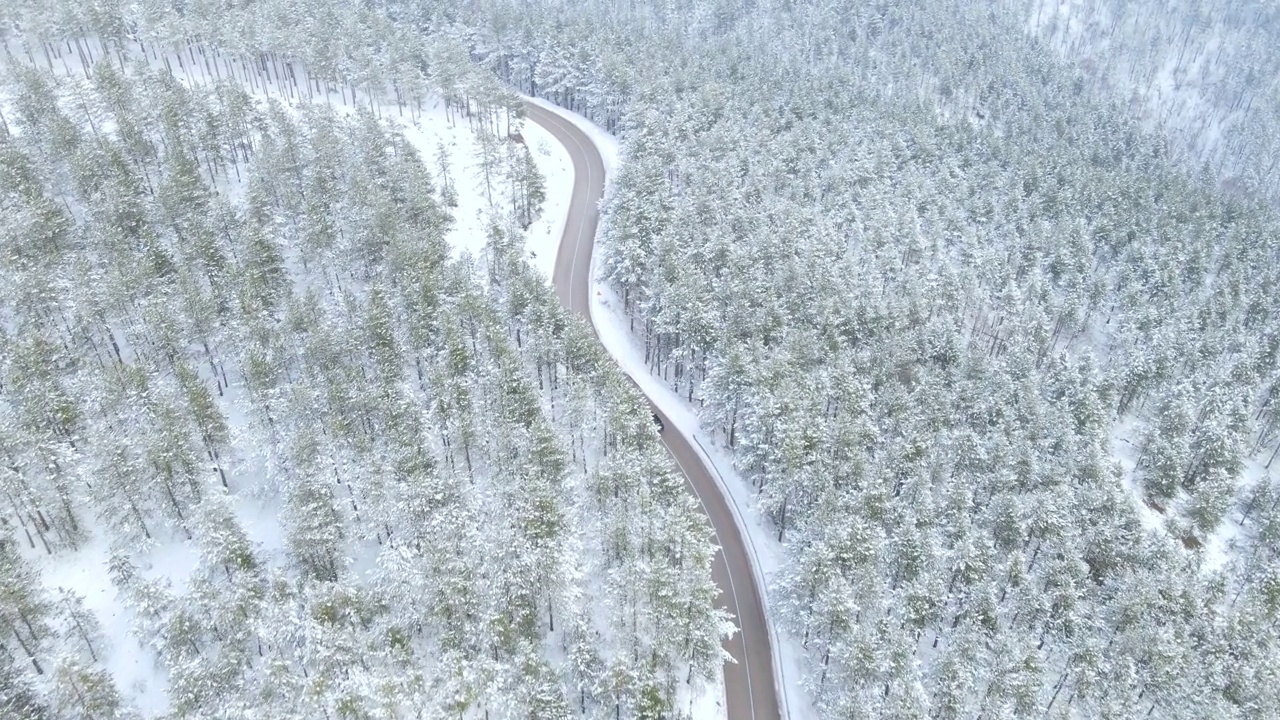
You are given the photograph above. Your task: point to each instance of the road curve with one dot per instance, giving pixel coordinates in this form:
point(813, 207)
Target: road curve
point(750, 693)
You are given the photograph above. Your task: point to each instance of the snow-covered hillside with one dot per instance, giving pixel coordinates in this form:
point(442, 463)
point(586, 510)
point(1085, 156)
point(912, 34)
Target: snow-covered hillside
point(1205, 74)
point(311, 433)
point(997, 371)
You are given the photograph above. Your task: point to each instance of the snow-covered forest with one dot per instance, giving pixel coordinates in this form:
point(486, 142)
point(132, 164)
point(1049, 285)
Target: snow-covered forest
point(998, 353)
point(982, 296)
point(269, 447)
point(1206, 72)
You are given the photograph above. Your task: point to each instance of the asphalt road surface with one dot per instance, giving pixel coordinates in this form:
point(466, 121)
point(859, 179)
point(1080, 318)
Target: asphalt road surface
point(750, 693)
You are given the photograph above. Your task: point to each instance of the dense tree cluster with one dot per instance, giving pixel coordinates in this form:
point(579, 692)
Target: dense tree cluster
point(221, 303)
point(1003, 375)
point(1204, 71)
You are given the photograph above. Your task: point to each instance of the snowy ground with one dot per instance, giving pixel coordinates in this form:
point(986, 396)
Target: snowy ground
point(611, 324)
point(133, 665)
point(426, 134)
point(1220, 545)
point(471, 215)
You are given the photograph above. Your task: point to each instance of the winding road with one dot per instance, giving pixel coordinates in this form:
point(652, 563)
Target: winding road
point(750, 692)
